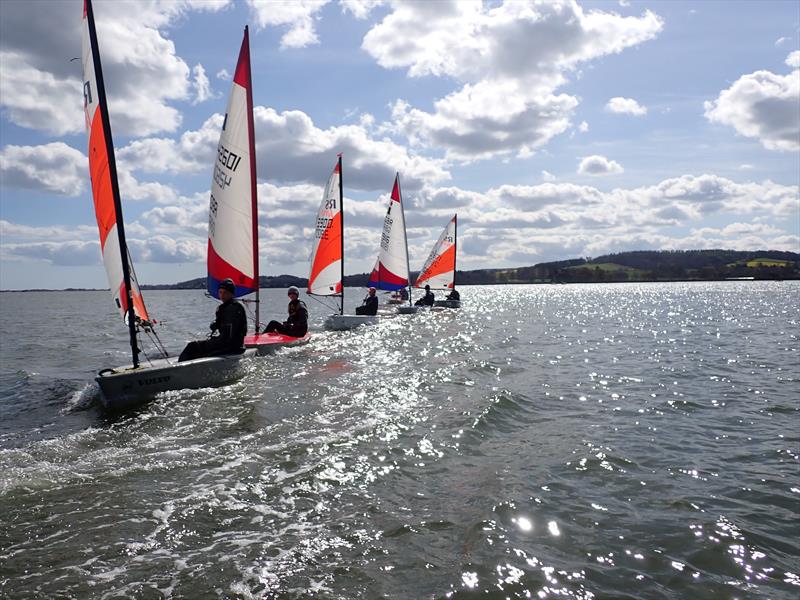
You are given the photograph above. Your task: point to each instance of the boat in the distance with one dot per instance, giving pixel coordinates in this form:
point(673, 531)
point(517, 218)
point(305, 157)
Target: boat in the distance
point(233, 206)
point(326, 274)
point(439, 270)
point(391, 272)
point(132, 384)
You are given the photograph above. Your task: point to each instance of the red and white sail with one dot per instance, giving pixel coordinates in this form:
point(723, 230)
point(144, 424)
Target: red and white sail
point(439, 271)
point(391, 272)
point(233, 214)
point(325, 278)
point(103, 173)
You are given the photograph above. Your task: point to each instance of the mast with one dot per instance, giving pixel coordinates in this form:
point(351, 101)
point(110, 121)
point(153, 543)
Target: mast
point(405, 238)
point(253, 177)
point(112, 168)
point(455, 243)
point(341, 231)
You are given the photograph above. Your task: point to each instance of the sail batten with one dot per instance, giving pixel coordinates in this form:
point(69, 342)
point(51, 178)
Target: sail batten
point(439, 270)
point(233, 213)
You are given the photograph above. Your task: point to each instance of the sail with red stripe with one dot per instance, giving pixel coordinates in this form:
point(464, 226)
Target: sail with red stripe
point(392, 269)
point(439, 271)
point(105, 187)
point(325, 278)
point(233, 214)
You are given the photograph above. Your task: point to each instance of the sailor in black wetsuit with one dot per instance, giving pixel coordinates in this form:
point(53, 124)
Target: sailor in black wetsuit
point(297, 323)
point(427, 299)
point(454, 295)
point(370, 305)
point(230, 325)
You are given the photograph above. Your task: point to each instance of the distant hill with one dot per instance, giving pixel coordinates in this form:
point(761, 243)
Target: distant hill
point(642, 265)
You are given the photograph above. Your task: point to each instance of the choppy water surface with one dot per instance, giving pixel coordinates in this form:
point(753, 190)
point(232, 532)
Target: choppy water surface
point(610, 441)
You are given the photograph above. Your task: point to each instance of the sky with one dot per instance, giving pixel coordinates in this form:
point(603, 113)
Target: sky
point(554, 130)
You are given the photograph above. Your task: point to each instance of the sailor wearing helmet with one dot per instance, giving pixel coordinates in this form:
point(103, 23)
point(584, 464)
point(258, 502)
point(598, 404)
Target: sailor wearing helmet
point(370, 305)
point(297, 323)
point(227, 329)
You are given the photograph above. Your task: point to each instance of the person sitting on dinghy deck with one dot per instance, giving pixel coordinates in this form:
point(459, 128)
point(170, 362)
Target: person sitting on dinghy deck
point(454, 295)
point(370, 305)
point(230, 325)
point(427, 299)
point(297, 323)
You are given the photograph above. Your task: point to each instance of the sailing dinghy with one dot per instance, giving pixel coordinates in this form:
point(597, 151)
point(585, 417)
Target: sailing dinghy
point(326, 275)
point(439, 271)
point(132, 384)
point(233, 206)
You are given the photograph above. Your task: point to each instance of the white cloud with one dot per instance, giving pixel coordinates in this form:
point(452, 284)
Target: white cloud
point(298, 15)
point(53, 167)
point(782, 40)
point(201, 85)
point(761, 105)
point(511, 58)
point(548, 176)
point(793, 60)
point(223, 75)
point(143, 73)
point(599, 165)
point(627, 106)
point(583, 127)
point(360, 9)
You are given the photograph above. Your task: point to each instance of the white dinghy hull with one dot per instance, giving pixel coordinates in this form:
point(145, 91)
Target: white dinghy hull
point(125, 387)
point(448, 303)
point(345, 322)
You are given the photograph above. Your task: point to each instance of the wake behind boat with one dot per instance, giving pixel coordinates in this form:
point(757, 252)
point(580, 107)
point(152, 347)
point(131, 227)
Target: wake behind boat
point(125, 386)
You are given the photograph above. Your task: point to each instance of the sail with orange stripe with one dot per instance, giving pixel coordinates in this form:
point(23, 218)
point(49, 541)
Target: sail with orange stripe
point(439, 271)
point(105, 187)
point(325, 278)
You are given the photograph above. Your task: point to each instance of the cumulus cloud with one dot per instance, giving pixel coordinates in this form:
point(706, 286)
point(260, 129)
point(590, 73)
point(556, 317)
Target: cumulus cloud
point(298, 15)
point(548, 176)
point(599, 165)
point(510, 58)
point(143, 73)
point(793, 60)
point(53, 167)
point(762, 105)
point(201, 85)
point(360, 9)
point(223, 75)
point(625, 106)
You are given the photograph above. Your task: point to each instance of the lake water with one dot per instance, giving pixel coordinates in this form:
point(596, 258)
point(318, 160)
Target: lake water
point(561, 441)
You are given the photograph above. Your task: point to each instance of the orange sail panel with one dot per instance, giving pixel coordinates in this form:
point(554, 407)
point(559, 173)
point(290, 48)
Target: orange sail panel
point(325, 278)
point(440, 269)
point(105, 185)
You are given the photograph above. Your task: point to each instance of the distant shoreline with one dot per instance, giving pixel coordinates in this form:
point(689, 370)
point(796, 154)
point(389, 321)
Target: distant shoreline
point(640, 266)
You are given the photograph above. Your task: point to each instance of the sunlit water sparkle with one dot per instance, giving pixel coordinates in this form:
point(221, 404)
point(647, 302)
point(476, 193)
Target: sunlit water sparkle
point(596, 441)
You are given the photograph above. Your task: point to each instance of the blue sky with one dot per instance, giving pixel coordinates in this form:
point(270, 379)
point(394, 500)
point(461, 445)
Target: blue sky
point(555, 130)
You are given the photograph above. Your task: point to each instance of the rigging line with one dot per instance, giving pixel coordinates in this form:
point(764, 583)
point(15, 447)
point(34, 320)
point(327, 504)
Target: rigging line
point(316, 299)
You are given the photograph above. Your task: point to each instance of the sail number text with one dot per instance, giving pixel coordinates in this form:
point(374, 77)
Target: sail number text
point(226, 161)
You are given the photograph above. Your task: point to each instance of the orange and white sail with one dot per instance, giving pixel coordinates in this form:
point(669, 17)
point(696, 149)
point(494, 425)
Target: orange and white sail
point(233, 214)
point(325, 277)
point(103, 172)
point(439, 271)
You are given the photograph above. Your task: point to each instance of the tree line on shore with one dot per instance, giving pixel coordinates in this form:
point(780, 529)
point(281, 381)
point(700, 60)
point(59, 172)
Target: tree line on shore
point(642, 265)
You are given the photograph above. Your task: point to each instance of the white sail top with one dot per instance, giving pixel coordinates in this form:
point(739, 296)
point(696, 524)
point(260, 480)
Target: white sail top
point(439, 270)
point(232, 215)
point(392, 271)
point(325, 277)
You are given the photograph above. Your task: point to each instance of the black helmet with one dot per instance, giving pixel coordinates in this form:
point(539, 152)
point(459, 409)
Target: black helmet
point(227, 284)
point(427, 288)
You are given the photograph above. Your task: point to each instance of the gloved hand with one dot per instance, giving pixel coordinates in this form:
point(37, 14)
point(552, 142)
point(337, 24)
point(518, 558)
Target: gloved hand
point(213, 326)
